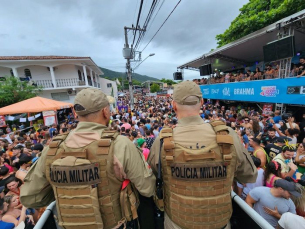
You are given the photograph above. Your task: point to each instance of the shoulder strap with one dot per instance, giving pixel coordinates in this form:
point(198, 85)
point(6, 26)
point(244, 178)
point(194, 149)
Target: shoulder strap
point(223, 139)
point(54, 145)
point(166, 135)
point(108, 136)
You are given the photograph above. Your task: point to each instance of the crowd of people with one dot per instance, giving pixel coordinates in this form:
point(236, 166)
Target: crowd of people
point(270, 72)
point(19, 149)
point(276, 143)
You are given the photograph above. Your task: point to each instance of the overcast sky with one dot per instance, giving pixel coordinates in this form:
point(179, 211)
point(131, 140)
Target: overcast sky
point(95, 28)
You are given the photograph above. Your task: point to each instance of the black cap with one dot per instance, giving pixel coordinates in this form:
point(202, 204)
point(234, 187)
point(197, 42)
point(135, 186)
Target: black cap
point(3, 170)
point(288, 186)
point(283, 139)
point(38, 146)
point(18, 147)
point(256, 140)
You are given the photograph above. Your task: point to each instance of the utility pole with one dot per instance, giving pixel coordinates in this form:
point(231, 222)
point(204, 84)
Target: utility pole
point(128, 54)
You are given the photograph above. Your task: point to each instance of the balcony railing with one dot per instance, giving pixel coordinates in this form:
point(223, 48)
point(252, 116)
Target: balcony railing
point(72, 82)
point(44, 83)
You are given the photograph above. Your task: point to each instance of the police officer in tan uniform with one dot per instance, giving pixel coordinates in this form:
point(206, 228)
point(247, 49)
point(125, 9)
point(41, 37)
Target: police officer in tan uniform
point(198, 163)
point(91, 172)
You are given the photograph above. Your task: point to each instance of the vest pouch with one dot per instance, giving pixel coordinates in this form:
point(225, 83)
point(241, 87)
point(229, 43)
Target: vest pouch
point(75, 184)
point(129, 202)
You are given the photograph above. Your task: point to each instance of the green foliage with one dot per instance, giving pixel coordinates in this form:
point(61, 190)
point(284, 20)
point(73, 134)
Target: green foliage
point(12, 90)
point(154, 88)
point(168, 81)
point(257, 14)
point(136, 82)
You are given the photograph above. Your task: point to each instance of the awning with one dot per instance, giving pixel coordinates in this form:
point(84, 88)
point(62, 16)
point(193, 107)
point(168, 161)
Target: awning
point(34, 105)
point(249, 49)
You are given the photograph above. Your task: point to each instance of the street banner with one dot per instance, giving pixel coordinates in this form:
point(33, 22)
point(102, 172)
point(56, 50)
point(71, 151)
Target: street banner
point(287, 91)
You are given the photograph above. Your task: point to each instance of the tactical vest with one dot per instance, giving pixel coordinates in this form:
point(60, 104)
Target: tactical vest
point(87, 192)
point(197, 182)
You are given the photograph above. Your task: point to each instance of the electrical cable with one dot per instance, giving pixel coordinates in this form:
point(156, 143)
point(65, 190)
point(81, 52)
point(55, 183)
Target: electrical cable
point(139, 15)
point(161, 26)
point(150, 13)
point(153, 19)
point(135, 12)
point(156, 15)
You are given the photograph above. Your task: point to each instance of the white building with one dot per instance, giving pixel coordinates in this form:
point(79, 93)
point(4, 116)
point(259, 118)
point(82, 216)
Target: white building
point(60, 76)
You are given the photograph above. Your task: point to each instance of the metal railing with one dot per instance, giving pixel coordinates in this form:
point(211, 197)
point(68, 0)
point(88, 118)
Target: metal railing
point(44, 83)
point(258, 219)
point(250, 212)
point(68, 82)
point(47, 219)
point(71, 82)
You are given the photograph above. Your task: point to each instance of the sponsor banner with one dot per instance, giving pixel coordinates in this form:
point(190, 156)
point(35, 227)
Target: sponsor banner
point(288, 91)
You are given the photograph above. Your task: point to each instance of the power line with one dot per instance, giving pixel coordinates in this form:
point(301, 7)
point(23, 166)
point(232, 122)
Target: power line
point(139, 15)
point(161, 25)
point(153, 18)
point(156, 14)
point(135, 12)
point(142, 33)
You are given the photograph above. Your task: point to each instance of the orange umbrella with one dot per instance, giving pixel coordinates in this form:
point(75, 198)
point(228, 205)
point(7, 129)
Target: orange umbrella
point(34, 105)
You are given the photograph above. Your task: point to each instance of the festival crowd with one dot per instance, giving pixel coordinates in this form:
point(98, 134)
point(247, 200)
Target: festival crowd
point(276, 143)
point(270, 72)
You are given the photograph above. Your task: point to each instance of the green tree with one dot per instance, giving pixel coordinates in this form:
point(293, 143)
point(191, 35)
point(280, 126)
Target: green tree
point(168, 81)
point(107, 77)
point(154, 88)
point(12, 90)
point(257, 14)
point(136, 82)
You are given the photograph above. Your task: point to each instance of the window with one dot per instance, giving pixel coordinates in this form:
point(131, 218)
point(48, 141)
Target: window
point(60, 96)
point(12, 73)
point(109, 85)
point(79, 75)
point(27, 73)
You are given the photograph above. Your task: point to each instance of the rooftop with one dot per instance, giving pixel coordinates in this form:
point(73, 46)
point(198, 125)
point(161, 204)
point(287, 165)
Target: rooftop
point(41, 57)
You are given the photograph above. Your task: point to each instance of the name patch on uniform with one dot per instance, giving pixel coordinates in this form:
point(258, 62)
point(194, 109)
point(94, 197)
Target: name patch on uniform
point(75, 175)
point(190, 172)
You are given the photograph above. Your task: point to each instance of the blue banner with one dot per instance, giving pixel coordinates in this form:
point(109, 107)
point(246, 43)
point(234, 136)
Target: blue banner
point(288, 91)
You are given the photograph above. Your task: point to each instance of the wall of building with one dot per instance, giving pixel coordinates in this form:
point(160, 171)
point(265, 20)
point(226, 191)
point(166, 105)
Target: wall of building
point(106, 89)
point(42, 72)
point(5, 72)
point(38, 72)
point(54, 94)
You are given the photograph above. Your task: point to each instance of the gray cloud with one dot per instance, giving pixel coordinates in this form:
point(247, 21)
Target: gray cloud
point(95, 28)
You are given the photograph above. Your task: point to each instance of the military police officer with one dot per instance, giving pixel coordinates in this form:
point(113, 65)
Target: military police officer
point(198, 163)
point(91, 172)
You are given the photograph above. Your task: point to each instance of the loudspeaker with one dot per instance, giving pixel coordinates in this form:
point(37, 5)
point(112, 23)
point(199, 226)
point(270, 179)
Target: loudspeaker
point(286, 48)
point(178, 76)
point(205, 70)
point(279, 49)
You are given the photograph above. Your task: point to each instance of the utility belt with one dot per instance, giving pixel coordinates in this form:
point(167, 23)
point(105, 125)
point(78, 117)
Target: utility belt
point(129, 201)
point(133, 224)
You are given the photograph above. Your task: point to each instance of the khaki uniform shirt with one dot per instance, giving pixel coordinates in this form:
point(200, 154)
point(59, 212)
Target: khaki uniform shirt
point(129, 163)
point(192, 132)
